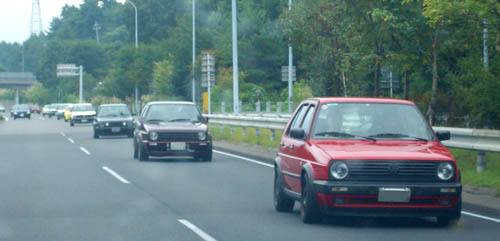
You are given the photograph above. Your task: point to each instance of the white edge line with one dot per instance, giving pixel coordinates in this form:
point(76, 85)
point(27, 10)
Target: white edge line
point(244, 158)
point(71, 140)
point(85, 150)
point(62, 134)
point(196, 230)
point(269, 165)
point(481, 216)
point(116, 175)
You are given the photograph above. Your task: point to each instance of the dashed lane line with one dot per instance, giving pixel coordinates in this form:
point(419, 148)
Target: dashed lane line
point(116, 175)
point(85, 150)
point(196, 230)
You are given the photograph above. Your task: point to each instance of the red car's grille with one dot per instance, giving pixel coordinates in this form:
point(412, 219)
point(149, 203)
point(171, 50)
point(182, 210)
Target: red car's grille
point(178, 136)
point(407, 171)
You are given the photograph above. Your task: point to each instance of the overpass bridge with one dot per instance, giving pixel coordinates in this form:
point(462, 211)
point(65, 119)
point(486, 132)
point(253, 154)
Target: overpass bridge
point(16, 81)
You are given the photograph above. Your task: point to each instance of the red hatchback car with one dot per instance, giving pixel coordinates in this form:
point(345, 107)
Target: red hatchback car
point(365, 157)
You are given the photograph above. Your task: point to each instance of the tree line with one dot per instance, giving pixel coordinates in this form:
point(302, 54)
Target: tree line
point(432, 49)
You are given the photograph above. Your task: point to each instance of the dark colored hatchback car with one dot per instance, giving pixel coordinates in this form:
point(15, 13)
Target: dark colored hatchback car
point(172, 129)
point(21, 111)
point(365, 157)
point(113, 120)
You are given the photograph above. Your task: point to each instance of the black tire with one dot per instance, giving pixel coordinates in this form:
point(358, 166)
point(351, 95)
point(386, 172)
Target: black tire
point(58, 118)
point(142, 155)
point(207, 156)
point(281, 202)
point(309, 210)
point(131, 135)
point(452, 218)
point(71, 123)
point(96, 135)
point(136, 153)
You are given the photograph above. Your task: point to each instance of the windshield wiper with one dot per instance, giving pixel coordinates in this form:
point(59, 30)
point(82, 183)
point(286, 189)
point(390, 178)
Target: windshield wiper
point(395, 135)
point(155, 120)
point(180, 120)
point(333, 133)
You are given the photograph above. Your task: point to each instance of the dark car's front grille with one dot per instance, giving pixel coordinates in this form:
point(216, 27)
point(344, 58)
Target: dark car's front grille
point(178, 136)
point(404, 171)
point(116, 124)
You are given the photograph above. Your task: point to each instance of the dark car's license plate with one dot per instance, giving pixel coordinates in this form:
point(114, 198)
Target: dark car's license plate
point(390, 194)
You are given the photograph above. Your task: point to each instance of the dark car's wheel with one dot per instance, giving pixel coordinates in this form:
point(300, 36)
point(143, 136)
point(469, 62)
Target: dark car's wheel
point(58, 118)
point(281, 202)
point(131, 134)
point(452, 218)
point(71, 123)
point(96, 135)
point(207, 155)
point(143, 156)
point(309, 210)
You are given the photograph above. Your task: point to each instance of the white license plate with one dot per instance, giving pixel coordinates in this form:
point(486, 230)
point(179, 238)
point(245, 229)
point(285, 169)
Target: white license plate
point(84, 120)
point(22, 115)
point(115, 129)
point(391, 194)
point(177, 146)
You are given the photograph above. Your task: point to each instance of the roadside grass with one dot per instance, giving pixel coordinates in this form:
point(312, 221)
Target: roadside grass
point(466, 160)
point(2, 118)
point(264, 140)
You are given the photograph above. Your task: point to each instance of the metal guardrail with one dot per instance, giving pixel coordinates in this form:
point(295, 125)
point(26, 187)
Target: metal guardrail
point(473, 139)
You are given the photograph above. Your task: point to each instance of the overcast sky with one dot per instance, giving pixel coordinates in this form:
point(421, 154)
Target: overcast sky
point(15, 17)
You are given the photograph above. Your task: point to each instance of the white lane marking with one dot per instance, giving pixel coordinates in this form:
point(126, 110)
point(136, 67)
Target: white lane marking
point(71, 140)
point(114, 174)
point(244, 158)
point(269, 165)
point(85, 150)
point(481, 216)
point(62, 134)
point(196, 230)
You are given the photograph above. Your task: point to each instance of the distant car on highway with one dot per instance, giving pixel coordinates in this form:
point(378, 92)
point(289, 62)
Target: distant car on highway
point(67, 112)
point(2, 108)
point(365, 156)
point(45, 110)
point(172, 129)
point(21, 111)
point(82, 114)
point(60, 110)
point(112, 120)
point(52, 110)
point(35, 109)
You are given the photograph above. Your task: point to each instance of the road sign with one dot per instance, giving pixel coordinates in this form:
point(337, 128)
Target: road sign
point(284, 73)
point(207, 66)
point(204, 80)
point(67, 70)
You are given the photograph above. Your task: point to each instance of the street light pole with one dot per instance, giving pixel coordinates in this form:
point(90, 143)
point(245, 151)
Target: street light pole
point(194, 51)
point(236, 98)
point(136, 46)
point(290, 70)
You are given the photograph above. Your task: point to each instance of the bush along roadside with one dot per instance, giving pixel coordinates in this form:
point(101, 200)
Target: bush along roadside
point(466, 159)
point(2, 118)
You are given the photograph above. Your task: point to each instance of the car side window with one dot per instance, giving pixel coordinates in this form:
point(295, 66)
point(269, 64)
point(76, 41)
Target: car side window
point(306, 124)
point(297, 118)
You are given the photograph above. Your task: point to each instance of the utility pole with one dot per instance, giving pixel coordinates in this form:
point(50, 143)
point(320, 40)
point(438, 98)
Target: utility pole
point(36, 18)
point(136, 47)
point(290, 64)
point(485, 44)
point(236, 98)
point(194, 51)
point(22, 56)
point(97, 27)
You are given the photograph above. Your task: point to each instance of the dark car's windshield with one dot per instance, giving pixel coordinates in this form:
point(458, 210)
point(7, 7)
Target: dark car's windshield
point(173, 113)
point(372, 120)
point(113, 111)
point(21, 107)
point(82, 108)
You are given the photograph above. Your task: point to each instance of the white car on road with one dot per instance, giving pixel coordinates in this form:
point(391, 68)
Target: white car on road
point(82, 114)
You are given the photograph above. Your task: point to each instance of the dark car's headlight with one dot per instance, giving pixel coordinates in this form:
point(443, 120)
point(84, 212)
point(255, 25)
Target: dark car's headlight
point(445, 171)
point(153, 136)
point(202, 136)
point(339, 170)
point(106, 124)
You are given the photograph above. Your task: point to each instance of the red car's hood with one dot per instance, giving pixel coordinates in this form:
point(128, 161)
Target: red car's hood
point(175, 127)
point(383, 150)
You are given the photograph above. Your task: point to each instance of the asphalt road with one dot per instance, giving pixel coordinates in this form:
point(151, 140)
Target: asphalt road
point(58, 183)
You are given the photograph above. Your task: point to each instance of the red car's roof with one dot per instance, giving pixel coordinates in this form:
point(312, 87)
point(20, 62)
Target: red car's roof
point(362, 100)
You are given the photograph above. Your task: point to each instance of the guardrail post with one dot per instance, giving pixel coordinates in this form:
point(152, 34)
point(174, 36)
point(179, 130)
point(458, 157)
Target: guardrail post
point(279, 107)
point(257, 132)
point(481, 161)
point(268, 107)
point(273, 135)
point(244, 131)
point(223, 107)
point(257, 106)
point(241, 107)
point(232, 130)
